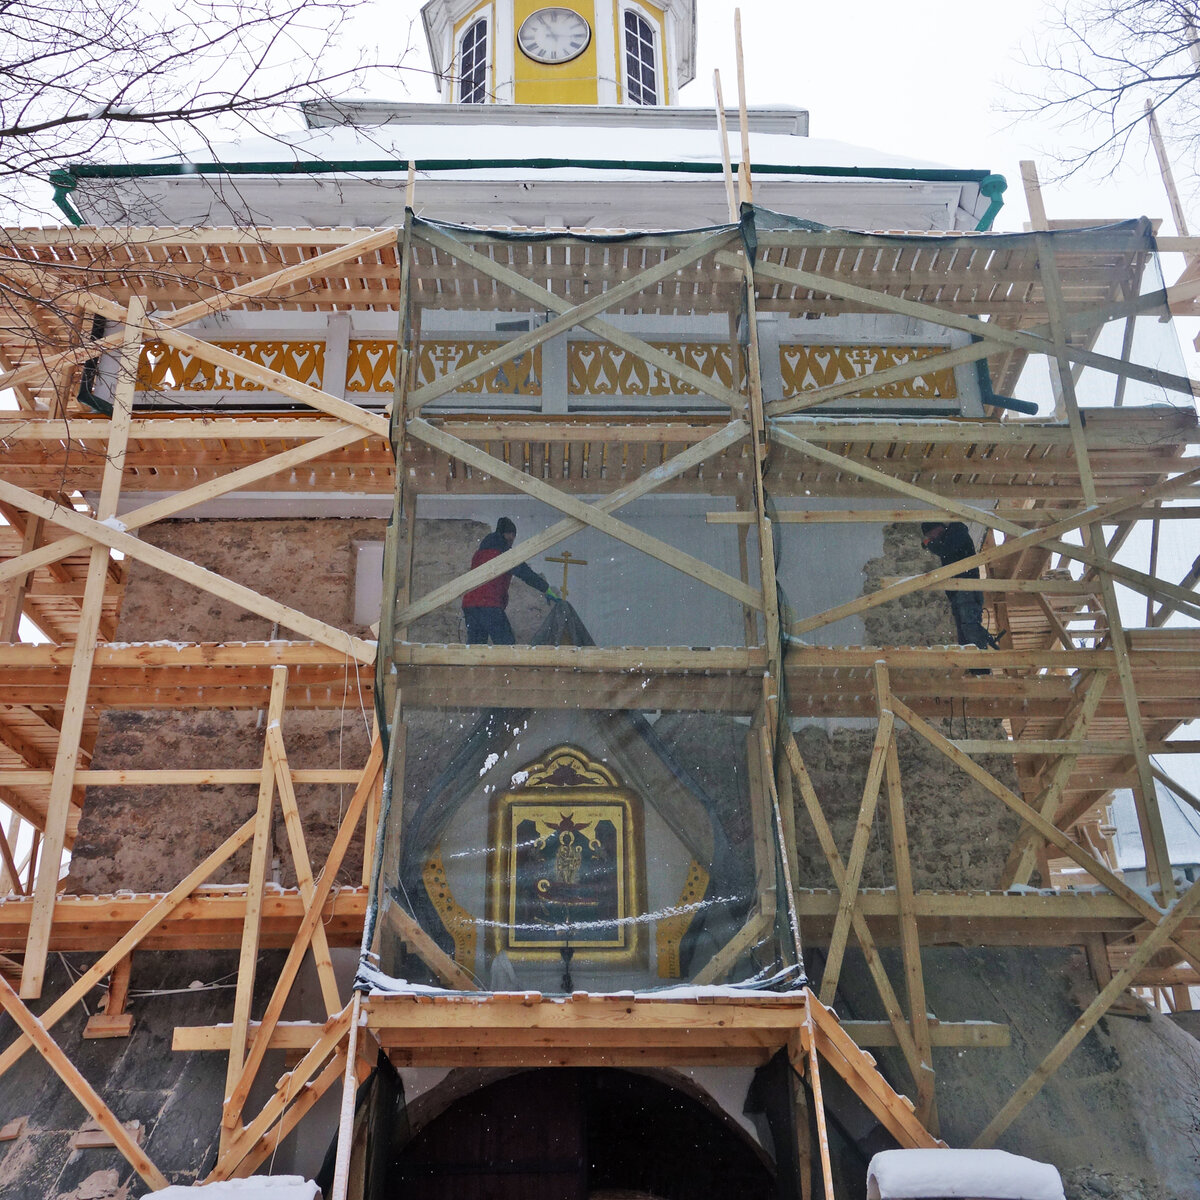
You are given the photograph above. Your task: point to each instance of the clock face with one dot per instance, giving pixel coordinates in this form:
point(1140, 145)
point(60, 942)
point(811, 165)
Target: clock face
point(554, 35)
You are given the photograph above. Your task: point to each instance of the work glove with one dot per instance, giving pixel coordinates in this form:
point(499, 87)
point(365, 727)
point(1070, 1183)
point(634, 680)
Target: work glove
point(553, 595)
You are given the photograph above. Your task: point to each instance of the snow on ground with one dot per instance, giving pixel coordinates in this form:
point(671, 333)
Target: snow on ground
point(257, 1187)
point(948, 1174)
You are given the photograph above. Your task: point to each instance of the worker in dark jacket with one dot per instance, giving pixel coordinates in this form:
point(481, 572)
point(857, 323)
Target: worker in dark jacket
point(952, 543)
point(483, 607)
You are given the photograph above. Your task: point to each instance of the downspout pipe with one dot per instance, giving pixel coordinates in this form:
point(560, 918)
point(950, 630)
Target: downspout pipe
point(64, 184)
point(990, 398)
point(993, 187)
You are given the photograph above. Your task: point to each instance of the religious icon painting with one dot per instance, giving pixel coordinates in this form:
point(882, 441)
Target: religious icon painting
point(567, 854)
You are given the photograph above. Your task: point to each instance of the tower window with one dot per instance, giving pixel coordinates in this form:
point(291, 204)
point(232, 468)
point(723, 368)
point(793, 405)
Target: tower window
point(473, 55)
point(641, 73)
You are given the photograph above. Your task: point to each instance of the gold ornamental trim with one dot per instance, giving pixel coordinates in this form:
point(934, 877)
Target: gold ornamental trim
point(806, 368)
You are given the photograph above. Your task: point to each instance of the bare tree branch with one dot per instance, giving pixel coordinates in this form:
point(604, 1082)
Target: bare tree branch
point(130, 79)
point(1099, 63)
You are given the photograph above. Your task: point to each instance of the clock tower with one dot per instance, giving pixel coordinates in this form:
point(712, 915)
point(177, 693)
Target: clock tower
point(599, 52)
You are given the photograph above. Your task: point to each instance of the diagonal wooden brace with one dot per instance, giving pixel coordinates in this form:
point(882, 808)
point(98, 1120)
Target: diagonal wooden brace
point(575, 315)
point(182, 568)
point(587, 513)
point(693, 456)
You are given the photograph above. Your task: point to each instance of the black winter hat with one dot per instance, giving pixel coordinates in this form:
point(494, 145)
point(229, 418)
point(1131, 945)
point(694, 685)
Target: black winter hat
point(930, 526)
point(505, 525)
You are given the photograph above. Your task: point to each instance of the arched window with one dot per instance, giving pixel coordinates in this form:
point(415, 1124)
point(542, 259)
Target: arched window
point(641, 61)
point(472, 64)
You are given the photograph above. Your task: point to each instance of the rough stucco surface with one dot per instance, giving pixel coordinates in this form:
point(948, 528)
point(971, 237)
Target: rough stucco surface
point(959, 834)
point(149, 838)
point(1121, 1118)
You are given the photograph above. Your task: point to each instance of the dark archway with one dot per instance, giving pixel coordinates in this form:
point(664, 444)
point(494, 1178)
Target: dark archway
point(573, 1133)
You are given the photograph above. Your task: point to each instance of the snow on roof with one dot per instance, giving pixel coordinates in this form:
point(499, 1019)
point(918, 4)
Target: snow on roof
point(490, 141)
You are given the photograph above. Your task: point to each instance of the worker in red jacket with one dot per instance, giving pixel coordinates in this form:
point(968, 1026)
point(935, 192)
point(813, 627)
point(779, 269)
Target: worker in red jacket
point(483, 607)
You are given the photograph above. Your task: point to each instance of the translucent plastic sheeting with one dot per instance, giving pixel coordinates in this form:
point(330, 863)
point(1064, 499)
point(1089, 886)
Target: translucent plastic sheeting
point(561, 831)
point(1117, 309)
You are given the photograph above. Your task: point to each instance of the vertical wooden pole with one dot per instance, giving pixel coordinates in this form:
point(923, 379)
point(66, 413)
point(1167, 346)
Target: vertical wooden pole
point(75, 704)
point(260, 858)
point(374, 808)
point(1019, 868)
point(1164, 169)
point(304, 877)
point(341, 1166)
point(10, 876)
point(730, 192)
point(866, 942)
point(814, 1070)
point(1158, 859)
point(910, 940)
point(33, 861)
point(803, 1130)
point(746, 184)
point(14, 599)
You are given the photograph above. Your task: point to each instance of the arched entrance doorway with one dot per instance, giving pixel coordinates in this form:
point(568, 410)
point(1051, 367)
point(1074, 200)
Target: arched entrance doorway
point(575, 1134)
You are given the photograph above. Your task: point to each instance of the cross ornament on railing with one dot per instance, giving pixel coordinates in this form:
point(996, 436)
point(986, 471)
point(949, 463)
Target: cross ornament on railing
point(567, 562)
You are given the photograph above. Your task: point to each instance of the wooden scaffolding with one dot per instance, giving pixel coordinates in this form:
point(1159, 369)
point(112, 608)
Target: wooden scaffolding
point(1083, 713)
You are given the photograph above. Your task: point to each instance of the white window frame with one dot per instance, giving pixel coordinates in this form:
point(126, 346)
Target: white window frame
point(459, 75)
point(656, 30)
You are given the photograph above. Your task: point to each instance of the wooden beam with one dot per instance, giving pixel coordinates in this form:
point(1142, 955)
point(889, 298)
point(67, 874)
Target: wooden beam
point(966, 512)
point(990, 331)
point(277, 752)
point(1158, 858)
point(1023, 858)
point(260, 859)
point(910, 941)
point(172, 506)
point(1031, 816)
point(1163, 930)
point(240, 1087)
point(83, 1091)
point(809, 1042)
point(275, 381)
point(862, 932)
point(684, 461)
point(292, 1085)
point(66, 759)
point(589, 514)
point(858, 857)
point(857, 1068)
point(189, 572)
point(267, 1143)
point(1044, 536)
point(303, 1035)
point(345, 1134)
point(223, 300)
point(571, 315)
point(14, 599)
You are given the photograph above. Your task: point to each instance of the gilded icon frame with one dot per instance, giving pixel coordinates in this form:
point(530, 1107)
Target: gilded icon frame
point(531, 902)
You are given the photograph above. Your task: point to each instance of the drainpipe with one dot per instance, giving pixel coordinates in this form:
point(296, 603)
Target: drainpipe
point(993, 187)
point(64, 184)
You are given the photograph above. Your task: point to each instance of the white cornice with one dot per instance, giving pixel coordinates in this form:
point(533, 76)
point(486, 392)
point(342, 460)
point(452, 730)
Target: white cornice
point(365, 113)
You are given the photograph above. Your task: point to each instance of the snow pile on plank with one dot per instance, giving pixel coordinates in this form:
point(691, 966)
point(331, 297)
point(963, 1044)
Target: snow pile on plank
point(951, 1174)
point(257, 1187)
